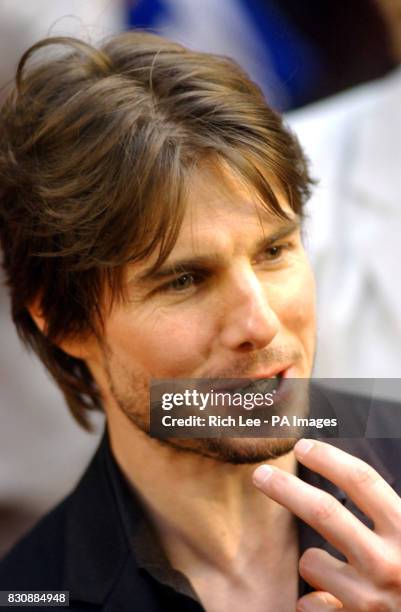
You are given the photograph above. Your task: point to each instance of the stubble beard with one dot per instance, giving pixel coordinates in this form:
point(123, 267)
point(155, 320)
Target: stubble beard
point(130, 391)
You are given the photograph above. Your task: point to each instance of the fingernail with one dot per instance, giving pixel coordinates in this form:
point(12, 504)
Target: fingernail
point(261, 474)
point(303, 446)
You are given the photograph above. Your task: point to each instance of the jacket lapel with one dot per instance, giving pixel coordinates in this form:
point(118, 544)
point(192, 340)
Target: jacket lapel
point(95, 544)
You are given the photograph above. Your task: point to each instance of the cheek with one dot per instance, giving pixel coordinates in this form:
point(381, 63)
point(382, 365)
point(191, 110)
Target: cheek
point(167, 344)
point(304, 302)
point(295, 306)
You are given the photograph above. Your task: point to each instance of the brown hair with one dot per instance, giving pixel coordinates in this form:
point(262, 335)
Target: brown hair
point(95, 149)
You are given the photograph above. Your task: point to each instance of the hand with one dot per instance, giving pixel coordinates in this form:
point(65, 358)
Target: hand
point(371, 579)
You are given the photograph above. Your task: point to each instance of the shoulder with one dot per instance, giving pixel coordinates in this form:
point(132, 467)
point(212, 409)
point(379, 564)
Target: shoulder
point(80, 547)
point(36, 560)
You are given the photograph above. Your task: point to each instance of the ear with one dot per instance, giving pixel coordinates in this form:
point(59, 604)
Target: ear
point(75, 347)
point(37, 316)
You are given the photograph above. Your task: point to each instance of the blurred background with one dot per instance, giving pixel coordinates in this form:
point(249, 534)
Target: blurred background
point(332, 68)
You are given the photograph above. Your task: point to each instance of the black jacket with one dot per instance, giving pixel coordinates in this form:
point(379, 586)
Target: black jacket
point(83, 545)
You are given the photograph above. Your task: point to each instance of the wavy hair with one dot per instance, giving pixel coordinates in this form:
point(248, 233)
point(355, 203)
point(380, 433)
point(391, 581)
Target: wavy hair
point(96, 148)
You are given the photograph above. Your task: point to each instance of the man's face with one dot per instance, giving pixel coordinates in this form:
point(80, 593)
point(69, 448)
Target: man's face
point(234, 299)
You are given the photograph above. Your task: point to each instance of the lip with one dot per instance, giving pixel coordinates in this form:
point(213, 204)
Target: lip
point(283, 369)
point(228, 384)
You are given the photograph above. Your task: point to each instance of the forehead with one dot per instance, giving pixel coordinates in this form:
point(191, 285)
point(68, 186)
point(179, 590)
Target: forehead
point(220, 206)
point(223, 218)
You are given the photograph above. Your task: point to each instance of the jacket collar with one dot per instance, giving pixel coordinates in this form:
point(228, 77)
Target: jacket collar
point(98, 558)
point(100, 565)
point(96, 546)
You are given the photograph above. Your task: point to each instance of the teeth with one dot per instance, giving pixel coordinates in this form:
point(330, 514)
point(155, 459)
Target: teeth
point(263, 384)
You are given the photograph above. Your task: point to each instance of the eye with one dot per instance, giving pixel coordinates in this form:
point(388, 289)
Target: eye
point(182, 283)
point(274, 252)
point(185, 281)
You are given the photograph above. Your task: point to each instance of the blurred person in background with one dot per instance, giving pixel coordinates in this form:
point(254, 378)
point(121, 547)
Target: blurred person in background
point(354, 143)
point(290, 48)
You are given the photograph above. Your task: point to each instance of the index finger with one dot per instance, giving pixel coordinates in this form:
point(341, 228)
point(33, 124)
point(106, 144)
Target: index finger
point(363, 484)
point(323, 512)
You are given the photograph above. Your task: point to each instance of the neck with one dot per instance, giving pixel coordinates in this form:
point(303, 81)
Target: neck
point(204, 510)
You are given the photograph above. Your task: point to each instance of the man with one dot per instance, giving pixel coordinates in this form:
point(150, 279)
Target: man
point(150, 221)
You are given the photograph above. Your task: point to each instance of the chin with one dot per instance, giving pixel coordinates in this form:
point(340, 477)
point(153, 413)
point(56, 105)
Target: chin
point(236, 451)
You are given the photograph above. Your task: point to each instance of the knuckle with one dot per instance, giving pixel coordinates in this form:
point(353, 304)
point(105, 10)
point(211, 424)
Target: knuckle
point(392, 580)
point(325, 507)
point(389, 573)
point(380, 564)
point(374, 605)
point(363, 474)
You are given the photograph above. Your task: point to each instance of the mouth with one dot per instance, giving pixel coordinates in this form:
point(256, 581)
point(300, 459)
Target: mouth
point(265, 384)
point(258, 383)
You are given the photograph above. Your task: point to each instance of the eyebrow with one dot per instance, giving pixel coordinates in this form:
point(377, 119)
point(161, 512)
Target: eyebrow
point(213, 260)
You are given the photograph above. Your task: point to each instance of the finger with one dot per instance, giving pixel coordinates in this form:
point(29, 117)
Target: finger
point(318, 601)
point(325, 573)
point(369, 491)
point(321, 511)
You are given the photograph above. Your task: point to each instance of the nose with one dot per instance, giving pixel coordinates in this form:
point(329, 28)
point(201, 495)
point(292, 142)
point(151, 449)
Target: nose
point(249, 321)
